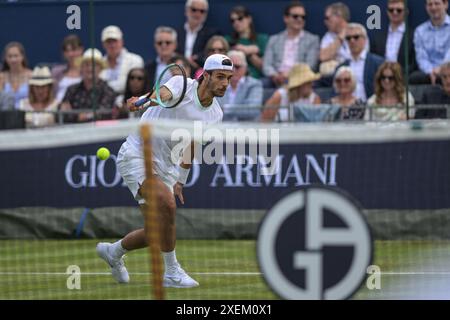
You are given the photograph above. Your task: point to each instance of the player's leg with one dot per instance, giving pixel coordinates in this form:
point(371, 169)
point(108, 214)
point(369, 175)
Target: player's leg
point(166, 215)
point(174, 275)
point(131, 168)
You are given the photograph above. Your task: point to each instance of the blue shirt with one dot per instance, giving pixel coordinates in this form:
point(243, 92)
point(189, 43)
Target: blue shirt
point(432, 44)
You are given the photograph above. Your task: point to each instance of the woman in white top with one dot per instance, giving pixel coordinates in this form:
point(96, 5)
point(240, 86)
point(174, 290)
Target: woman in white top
point(389, 101)
point(14, 74)
point(40, 102)
point(299, 90)
point(68, 74)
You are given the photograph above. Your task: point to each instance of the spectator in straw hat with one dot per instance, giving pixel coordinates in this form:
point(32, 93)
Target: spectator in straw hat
point(80, 96)
point(299, 90)
point(41, 102)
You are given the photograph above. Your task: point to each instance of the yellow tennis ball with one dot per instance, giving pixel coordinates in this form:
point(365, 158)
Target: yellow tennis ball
point(103, 153)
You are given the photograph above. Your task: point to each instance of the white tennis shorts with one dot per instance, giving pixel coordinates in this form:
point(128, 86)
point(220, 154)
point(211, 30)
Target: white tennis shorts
point(132, 169)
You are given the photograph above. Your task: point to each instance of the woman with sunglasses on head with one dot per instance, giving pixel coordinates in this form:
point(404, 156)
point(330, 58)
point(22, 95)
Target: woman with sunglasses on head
point(215, 45)
point(244, 38)
point(389, 94)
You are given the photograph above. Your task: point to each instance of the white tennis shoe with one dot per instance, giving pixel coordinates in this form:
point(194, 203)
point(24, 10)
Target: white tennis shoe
point(118, 270)
point(178, 278)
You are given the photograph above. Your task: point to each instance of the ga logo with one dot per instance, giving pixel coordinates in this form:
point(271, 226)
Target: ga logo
point(314, 244)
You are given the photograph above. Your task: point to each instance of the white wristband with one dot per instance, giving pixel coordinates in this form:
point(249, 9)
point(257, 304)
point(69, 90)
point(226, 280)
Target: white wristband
point(183, 175)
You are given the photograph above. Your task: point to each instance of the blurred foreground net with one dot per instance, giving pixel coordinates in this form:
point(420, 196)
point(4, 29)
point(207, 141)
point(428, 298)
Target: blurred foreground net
point(58, 200)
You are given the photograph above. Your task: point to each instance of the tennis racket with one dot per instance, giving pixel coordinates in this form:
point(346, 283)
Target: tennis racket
point(175, 77)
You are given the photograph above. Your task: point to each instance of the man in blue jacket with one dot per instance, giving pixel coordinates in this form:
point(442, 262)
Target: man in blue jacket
point(363, 63)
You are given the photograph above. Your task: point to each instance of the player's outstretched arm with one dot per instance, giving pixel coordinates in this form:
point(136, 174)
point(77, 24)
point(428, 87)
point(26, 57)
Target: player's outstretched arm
point(183, 171)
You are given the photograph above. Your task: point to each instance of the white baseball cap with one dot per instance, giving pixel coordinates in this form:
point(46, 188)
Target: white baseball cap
point(111, 32)
point(218, 62)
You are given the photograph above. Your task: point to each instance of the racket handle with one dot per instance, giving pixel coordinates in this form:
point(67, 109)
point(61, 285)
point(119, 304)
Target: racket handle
point(142, 100)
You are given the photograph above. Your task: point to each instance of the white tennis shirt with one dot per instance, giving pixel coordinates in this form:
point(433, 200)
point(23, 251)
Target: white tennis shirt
point(188, 109)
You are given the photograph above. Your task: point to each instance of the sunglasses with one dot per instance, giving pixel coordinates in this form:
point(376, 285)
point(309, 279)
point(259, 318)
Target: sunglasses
point(160, 43)
point(343, 80)
point(298, 16)
point(390, 78)
point(140, 78)
point(326, 18)
point(237, 19)
point(355, 37)
point(194, 10)
point(219, 50)
point(395, 10)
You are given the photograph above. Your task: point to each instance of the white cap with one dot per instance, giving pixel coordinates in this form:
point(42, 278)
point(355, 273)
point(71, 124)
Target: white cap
point(216, 62)
point(111, 32)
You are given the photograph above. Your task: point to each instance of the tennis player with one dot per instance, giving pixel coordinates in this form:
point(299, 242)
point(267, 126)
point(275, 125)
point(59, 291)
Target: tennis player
point(199, 103)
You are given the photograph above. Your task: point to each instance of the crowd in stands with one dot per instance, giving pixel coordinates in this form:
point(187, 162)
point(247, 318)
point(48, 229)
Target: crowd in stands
point(364, 79)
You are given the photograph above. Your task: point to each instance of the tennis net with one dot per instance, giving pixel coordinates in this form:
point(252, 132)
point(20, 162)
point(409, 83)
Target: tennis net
point(59, 200)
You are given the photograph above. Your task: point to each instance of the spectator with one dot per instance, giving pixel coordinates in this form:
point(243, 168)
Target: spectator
point(65, 75)
point(217, 44)
point(436, 96)
point(363, 64)
point(118, 59)
point(194, 36)
point(299, 90)
point(137, 84)
point(165, 41)
point(344, 84)
point(432, 42)
point(291, 46)
point(80, 96)
point(333, 48)
point(15, 74)
point(183, 62)
point(390, 43)
point(6, 101)
point(389, 92)
point(41, 102)
point(244, 38)
point(243, 90)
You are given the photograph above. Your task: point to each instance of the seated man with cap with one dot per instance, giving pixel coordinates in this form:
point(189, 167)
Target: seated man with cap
point(79, 96)
point(119, 61)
